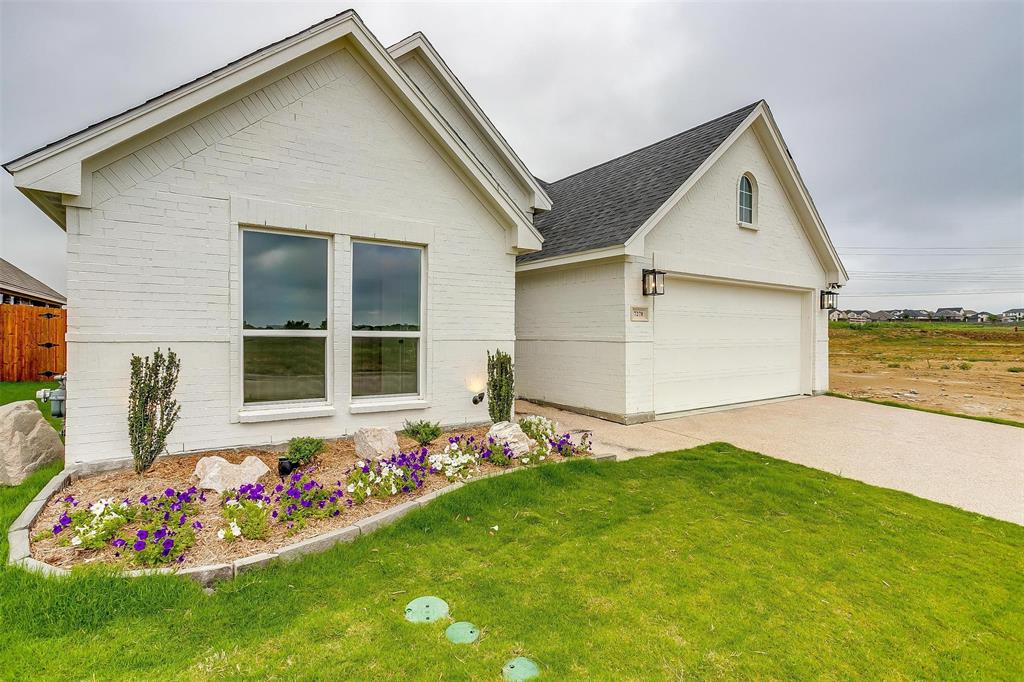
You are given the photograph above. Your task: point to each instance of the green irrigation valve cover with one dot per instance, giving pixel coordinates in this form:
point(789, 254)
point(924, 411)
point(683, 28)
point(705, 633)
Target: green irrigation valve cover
point(519, 669)
point(462, 633)
point(426, 610)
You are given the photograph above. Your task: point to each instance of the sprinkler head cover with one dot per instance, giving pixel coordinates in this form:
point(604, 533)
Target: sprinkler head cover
point(462, 633)
point(426, 610)
point(519, 669)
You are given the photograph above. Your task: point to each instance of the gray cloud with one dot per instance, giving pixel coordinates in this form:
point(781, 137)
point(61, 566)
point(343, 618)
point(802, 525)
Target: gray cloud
point(905, 119)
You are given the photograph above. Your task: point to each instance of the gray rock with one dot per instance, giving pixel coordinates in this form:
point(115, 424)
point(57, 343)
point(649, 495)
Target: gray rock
point(512, 433)
point(216, 473)
point(27, 441)
point(374, 442)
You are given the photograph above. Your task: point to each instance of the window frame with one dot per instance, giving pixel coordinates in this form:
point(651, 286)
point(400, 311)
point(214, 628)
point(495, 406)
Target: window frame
point(325, 334)
point(749, 177)
point(420, 335)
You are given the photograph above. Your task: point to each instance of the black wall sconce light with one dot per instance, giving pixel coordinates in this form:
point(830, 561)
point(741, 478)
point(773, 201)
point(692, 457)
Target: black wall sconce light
point(829, 298)
point(654, 282)
point(478, 398)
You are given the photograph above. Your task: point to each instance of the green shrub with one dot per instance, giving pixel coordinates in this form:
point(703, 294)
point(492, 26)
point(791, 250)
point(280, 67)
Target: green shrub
point(152, 411)
point(964, 366)
point(250, 517)
point(303, 450)
point(423, 431)
point(500, 386)
point(1015, 370)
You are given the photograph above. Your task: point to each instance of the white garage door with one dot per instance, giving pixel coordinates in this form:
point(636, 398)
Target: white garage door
point(720, 344)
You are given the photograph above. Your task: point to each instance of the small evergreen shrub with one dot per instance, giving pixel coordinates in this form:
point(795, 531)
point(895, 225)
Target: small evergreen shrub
point(500, 386)
point(1015, 370)
point(423, 431)
point(152, 410)
point(303, 450)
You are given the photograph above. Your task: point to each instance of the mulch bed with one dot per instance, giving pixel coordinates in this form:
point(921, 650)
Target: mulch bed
point(177, 472)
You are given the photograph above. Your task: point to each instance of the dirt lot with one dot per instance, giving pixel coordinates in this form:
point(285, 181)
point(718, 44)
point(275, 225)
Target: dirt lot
point(954, 367)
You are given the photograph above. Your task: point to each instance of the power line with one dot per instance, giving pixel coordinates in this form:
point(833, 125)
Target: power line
point(937, 293)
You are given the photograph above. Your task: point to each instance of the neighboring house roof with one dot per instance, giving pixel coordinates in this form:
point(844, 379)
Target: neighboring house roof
point(16, 281)
point(605, 205)
point(916, 313)
point(62, 167)
point(1015, 311)
point(881, 316)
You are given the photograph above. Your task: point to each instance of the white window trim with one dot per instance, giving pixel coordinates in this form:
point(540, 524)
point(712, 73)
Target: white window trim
point(391, 401)
point(752, 225)
point(286, 409)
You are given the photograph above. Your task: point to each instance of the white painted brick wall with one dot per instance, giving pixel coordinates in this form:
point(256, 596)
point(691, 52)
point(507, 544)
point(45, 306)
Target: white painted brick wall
point(438, 95)
point(575, 342)
point(150, 264)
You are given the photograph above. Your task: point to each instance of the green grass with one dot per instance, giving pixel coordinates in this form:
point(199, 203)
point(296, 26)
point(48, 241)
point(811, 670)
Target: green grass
point(710, 563)
point(907, 406)
point(13, 391)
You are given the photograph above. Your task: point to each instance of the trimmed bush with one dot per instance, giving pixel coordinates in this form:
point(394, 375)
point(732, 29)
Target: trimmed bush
point(152, 411)
point(501, 393)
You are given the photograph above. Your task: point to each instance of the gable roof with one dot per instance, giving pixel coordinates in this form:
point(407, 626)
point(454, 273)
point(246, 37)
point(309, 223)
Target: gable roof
point(56, 170)
point(15, 280)
point(418, 44)
point(606, 204)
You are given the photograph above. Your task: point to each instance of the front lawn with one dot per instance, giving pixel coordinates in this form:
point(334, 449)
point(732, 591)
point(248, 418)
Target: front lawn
point(706, 563)
point(13, 391)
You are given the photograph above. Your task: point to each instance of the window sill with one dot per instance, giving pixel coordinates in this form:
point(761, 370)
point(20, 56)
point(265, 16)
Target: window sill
point(370, 406)
point(280, 413)
point(747, 226)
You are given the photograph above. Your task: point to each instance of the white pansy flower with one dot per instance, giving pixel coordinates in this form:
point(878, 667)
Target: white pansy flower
point(76, 541)
point(220, 534)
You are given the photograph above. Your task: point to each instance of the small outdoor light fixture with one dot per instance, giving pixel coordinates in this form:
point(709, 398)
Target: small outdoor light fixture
point(478, 398)
point(654, 282)
point(829, 298)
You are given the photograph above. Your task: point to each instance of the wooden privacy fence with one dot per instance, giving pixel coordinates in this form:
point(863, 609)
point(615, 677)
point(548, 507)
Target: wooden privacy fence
point(32, 342)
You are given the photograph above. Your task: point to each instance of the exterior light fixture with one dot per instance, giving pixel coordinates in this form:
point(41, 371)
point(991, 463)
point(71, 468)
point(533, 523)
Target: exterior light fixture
point(478, 398)
point(829, 299)
point(654, 282)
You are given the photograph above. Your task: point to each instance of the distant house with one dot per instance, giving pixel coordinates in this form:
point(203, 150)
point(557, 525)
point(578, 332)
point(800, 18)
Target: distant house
point(838, 316)
point(858, 316)
point(1013, 315)
point(981, 317)
point(950, 315)
point(916, 315)
point(19, 287)
point(896, 314)
point(880, 316)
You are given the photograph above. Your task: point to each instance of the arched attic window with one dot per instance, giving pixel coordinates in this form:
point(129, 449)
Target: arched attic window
point(747, 200)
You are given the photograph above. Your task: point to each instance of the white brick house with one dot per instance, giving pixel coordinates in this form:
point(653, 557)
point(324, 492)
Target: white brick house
point(326, 231)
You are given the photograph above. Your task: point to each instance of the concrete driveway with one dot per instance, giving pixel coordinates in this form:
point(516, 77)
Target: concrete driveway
point(969, 464)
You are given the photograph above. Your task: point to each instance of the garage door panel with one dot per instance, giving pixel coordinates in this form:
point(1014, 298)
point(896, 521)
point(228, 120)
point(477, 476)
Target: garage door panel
point(719, 344)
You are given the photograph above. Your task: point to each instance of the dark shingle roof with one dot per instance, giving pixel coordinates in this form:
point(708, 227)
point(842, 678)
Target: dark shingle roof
point(16, 280)
point(604, 205)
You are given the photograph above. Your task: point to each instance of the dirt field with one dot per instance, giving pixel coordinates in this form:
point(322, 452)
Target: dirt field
point(954, 367)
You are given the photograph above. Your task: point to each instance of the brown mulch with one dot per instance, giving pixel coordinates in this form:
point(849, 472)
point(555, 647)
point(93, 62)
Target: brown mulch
point(176, 472)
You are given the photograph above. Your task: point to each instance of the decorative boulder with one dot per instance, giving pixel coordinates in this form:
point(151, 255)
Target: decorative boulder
point(216, 473)
point(27, 441)
point(374, 442)
point(511, 433)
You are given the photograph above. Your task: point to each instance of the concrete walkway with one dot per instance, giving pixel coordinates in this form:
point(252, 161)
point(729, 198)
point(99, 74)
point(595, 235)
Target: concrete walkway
point(970, 464)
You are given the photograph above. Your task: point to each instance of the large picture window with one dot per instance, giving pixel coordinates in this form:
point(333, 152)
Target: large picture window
point(284, 317)
point(386, 324)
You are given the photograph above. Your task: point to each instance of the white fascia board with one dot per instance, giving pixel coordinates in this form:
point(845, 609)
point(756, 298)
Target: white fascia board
point(418, 42)
point(618, 251)
point(761, 112)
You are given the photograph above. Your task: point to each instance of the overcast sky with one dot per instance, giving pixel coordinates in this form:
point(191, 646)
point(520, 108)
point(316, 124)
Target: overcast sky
point(906, 119)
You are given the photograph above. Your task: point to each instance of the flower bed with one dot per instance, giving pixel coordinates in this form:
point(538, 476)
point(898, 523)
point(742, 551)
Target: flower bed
point(161, 519)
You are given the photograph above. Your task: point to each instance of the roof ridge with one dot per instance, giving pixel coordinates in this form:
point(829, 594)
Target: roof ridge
point(653, 144)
